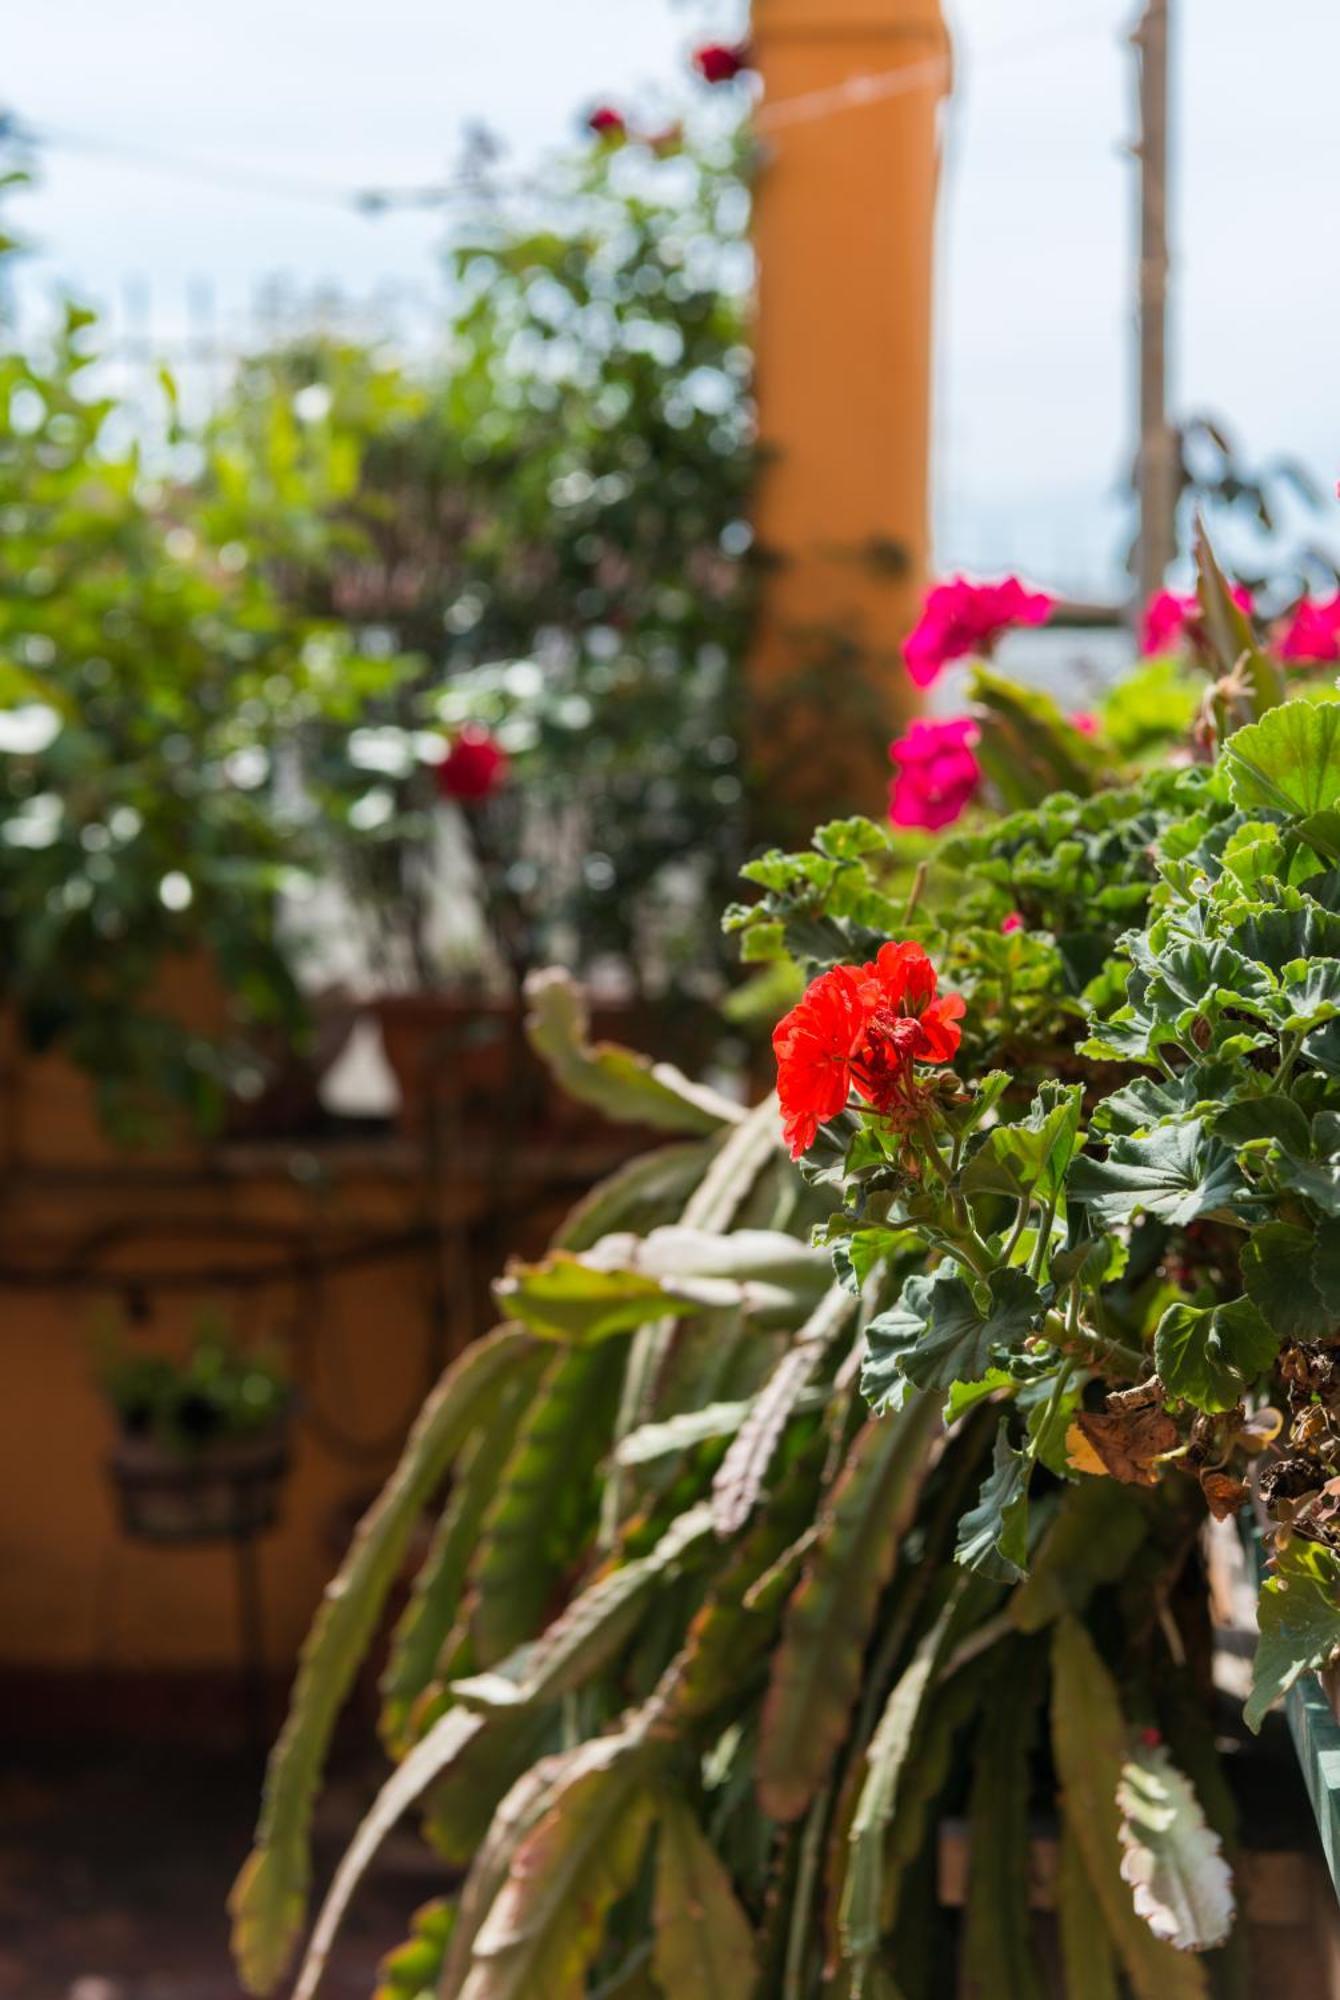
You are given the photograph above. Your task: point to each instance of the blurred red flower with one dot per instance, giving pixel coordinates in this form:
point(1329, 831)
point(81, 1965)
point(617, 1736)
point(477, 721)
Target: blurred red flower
point(863, 1028)
point(1174, 618)
point(936, 773)
point(474, 767)
point(1312, 634)
point(607, 123)
point(962, 617)
point(721, 62)
point(1009, 925)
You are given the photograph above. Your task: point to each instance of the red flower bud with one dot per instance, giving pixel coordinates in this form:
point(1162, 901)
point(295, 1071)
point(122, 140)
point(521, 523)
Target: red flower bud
point(474, 767)
point(721, 62)
point(607, 123)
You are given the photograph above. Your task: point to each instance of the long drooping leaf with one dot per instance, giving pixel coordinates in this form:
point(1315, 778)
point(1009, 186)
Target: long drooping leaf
point(886, 1760)
point(704, 1946)
point(415, 1658)
point(545, 1925)
point(545, 1505)
point(714, 1204)
point(623, 1085)
point(522, 1807)
point(426, 1761)
point(1000, 1954)
point(1089, 1740)
point(1089, 1962)
point(740, 1478)
point(570, 1299)
point(592, 1628)
point(1173, 1861)
point(1094, 1534)
point(646, 1191)
point(269, 1899)
point(816, 1670)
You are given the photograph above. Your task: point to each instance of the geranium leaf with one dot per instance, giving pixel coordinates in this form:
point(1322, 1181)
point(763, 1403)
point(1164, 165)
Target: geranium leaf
point(993, 1535)
point(1310, 994)
point(1275, 1263)
point(1032, 1157)
point(1289, 760)
point(1173, 1861)
point(1210, 1356)
point(1272, 1116)
point(937, 1334)
point(1298, 1614)
point(1175, 1173)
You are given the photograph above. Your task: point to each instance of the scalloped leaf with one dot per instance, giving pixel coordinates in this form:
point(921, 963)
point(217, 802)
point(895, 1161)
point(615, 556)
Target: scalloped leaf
point(1210, 1356)
point(937, 1333)
point(1298, 1614)
point(1173, 1861)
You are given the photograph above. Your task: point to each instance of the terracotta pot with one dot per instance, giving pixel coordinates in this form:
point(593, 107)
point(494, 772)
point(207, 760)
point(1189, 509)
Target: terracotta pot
point(462, 1060)
point(221, 1492)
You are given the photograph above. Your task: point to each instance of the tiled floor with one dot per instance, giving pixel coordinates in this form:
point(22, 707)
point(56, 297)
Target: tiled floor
point(114, 1867)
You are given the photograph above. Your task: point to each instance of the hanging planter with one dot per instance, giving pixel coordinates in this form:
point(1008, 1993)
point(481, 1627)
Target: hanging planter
point(223, 1492)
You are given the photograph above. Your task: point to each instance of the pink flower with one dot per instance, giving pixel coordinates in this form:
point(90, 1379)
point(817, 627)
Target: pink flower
point(607, 123)
point(1086, 724)
point(963, 617)
point(474, 767)
point(1312, 635)
point(936, 774)
point(720, 62)
point(1173, 618)
point(1009, 925)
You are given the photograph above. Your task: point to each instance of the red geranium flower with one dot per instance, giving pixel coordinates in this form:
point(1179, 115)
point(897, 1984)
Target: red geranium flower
point(863, 1028)
point(1174, 618)
point(1312, 635)
point(721, 62)
point(474, 767)
point(607, 123)
point(962, 617)
point(936, 773)
point(1010, 924)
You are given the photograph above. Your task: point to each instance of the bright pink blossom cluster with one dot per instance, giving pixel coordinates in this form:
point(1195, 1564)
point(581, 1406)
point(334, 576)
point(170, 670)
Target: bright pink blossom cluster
point(1174, 618)
point(935, 772)
point(1311, 635)
point(961, 618)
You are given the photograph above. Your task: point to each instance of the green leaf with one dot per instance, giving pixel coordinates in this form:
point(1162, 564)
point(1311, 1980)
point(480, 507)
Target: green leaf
point(624, 1086)
point(647, 1191)
point(545, 1926)
point(415, 1657)
point(1175, 1173)
point(1310, 994)
point(886, 1760)
point(1089, 1741)
point(1272, 1116)
point(1090, 1966)
point(567, 1299)
point(1276, 1269)
point(1298, 1614)
point(1093, 1535)
point(816, 1671)
point(704, 1944)
point(1000, 1952)
point(993, 1536)
point(1173, 1861)
point(427, 1760)
point(1210, 1356)
point(1289, 760)
point(269, 1899)
point(1032, 1158)
point(937, 1334)
point(546, 1499)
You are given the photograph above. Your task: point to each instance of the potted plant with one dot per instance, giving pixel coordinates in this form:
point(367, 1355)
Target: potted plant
point(202, 1449)
point(846, 1463)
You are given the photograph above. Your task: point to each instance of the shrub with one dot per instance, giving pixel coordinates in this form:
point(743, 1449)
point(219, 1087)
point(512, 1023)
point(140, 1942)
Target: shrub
point(799, 1505)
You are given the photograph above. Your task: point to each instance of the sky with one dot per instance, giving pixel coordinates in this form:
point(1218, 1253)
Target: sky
point(295, 105)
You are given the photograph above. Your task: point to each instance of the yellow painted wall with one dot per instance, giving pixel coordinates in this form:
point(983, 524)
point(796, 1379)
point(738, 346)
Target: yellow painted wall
point(845, 222)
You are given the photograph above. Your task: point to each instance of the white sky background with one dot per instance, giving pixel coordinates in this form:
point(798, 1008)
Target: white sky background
point(1034, 390)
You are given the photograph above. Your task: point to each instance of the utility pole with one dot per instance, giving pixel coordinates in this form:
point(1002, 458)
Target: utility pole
point(1156, 470)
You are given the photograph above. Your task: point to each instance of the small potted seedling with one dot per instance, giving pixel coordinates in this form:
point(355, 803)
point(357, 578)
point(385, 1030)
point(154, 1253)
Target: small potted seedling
point(203, 1442)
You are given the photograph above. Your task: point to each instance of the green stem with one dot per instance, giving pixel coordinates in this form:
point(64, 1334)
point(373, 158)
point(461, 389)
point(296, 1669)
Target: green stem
point(1108, 1357)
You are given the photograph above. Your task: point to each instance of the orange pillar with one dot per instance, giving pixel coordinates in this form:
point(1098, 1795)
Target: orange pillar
point(844, 231)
